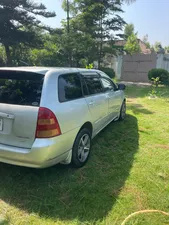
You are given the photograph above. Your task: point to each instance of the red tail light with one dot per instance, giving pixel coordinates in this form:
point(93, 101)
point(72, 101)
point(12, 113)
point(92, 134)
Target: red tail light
point(47, 124)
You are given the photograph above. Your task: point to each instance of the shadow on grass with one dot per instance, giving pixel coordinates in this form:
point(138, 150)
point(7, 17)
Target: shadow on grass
point(138, 109)
point(87, 194)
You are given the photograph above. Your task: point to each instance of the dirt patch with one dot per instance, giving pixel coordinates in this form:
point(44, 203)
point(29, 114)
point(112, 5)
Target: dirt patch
point(140, 197)
point(131, 100)
point(162, 146)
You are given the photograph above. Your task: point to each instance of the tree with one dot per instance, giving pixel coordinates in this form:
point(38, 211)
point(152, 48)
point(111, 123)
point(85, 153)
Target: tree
point(145, 40)
point(132, 46)
point(18, 21)
point(157, 47)
point(97, 19)
point(128, 30)
point(128, 1)
point(81, 46)
point(166, 49)
point(2, 56)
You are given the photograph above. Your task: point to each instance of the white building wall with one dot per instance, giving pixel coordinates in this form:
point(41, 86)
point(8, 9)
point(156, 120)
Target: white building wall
point(163, 61)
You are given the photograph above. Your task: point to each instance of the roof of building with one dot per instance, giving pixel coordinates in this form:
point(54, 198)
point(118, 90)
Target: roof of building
point(143, 47)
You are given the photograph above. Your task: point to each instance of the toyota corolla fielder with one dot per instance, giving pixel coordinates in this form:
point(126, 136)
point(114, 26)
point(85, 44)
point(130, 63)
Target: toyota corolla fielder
point(50, 115)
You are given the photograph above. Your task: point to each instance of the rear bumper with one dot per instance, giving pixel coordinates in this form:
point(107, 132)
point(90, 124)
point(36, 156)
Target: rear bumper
point(44, 152)
point(39, 164)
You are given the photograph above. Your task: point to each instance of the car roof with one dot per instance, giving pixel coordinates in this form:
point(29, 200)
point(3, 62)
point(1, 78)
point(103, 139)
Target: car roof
point(44, 70)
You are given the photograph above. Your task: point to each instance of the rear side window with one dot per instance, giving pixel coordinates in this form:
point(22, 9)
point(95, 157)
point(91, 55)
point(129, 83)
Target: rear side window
point(20, 88)
point(69, 87)
point(93, 84)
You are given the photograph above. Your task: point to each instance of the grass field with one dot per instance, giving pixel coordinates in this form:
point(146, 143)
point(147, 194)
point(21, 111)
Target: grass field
point(128, 171)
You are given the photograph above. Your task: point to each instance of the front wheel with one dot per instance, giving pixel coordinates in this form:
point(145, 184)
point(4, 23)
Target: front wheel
point(123, 111)
point(81, 148)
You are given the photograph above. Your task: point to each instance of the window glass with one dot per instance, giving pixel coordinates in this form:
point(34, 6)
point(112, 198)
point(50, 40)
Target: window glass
point(69, 87)
point(115, 87)
point(107, 84)
point(93, 84)
point(20, 88)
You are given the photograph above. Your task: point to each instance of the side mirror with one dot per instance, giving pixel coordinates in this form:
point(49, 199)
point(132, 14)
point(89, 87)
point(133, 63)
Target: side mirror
point(121, 87)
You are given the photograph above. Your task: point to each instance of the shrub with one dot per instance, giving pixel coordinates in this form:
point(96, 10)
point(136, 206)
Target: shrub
point(161, 73)
point(90, 66)
point(110, 72)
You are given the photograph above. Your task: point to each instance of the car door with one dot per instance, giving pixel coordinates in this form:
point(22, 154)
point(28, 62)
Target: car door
point(114, 97)
point(96, 101)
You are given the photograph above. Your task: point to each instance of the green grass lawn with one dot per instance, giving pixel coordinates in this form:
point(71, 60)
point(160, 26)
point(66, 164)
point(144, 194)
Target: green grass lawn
point(128, 171)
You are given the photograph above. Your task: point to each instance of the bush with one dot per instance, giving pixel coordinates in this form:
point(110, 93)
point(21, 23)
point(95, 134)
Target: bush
point(161, 73)
point(110, 72)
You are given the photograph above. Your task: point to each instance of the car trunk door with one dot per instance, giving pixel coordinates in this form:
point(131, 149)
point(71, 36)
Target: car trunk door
point(20, 94)
point(18, 125)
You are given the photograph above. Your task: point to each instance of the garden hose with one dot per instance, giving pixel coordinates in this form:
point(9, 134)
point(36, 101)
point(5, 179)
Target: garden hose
point(142, 212)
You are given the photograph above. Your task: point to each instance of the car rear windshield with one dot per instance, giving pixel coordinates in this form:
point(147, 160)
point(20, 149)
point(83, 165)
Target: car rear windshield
point(20, 88)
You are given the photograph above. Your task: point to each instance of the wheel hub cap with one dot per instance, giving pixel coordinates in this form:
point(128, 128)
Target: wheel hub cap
point(84, 148)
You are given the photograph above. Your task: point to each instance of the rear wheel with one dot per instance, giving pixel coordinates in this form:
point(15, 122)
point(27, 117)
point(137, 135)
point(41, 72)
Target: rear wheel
point(123, 111)
point(81, 148)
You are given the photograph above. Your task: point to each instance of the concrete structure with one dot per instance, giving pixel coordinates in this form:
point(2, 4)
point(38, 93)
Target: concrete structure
point(163, 61)
point(135, 68)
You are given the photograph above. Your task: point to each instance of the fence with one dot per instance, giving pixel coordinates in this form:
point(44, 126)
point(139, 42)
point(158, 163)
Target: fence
point(135, 68)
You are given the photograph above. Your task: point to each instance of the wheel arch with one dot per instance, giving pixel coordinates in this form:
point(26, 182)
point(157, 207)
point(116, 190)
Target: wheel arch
point(88, 125)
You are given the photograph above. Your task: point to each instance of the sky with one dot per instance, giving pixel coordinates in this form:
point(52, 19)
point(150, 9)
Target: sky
point(148, 16)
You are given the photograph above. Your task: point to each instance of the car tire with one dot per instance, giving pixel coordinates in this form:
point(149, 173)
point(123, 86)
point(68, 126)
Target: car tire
point(123, 111)
point(81, 148)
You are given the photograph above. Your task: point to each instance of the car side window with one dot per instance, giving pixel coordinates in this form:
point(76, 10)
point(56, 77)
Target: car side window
point(93, 84)
point(69, 87)
point(107, 84)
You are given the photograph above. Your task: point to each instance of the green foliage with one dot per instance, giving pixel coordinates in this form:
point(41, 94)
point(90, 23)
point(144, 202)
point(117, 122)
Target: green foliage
point(146, 42)
point(155, 47)
point(91, 35)
point(128, 30)
point(156, 81)
point(154, 92)
point(132, 46)
point(162, 74)
point(93, 19)
point(18, 21)
point(2, 56)
point(110, 72)
point(77, 46)
point(166, 49)
point(90, 66)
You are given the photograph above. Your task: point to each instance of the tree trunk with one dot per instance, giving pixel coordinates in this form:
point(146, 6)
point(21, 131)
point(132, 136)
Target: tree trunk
point(100, 54)
point(101, 42)
point(68, 31)
point(8, 55)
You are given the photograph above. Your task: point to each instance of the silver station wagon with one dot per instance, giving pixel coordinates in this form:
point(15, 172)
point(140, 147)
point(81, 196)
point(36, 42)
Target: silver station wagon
point(50, 115)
